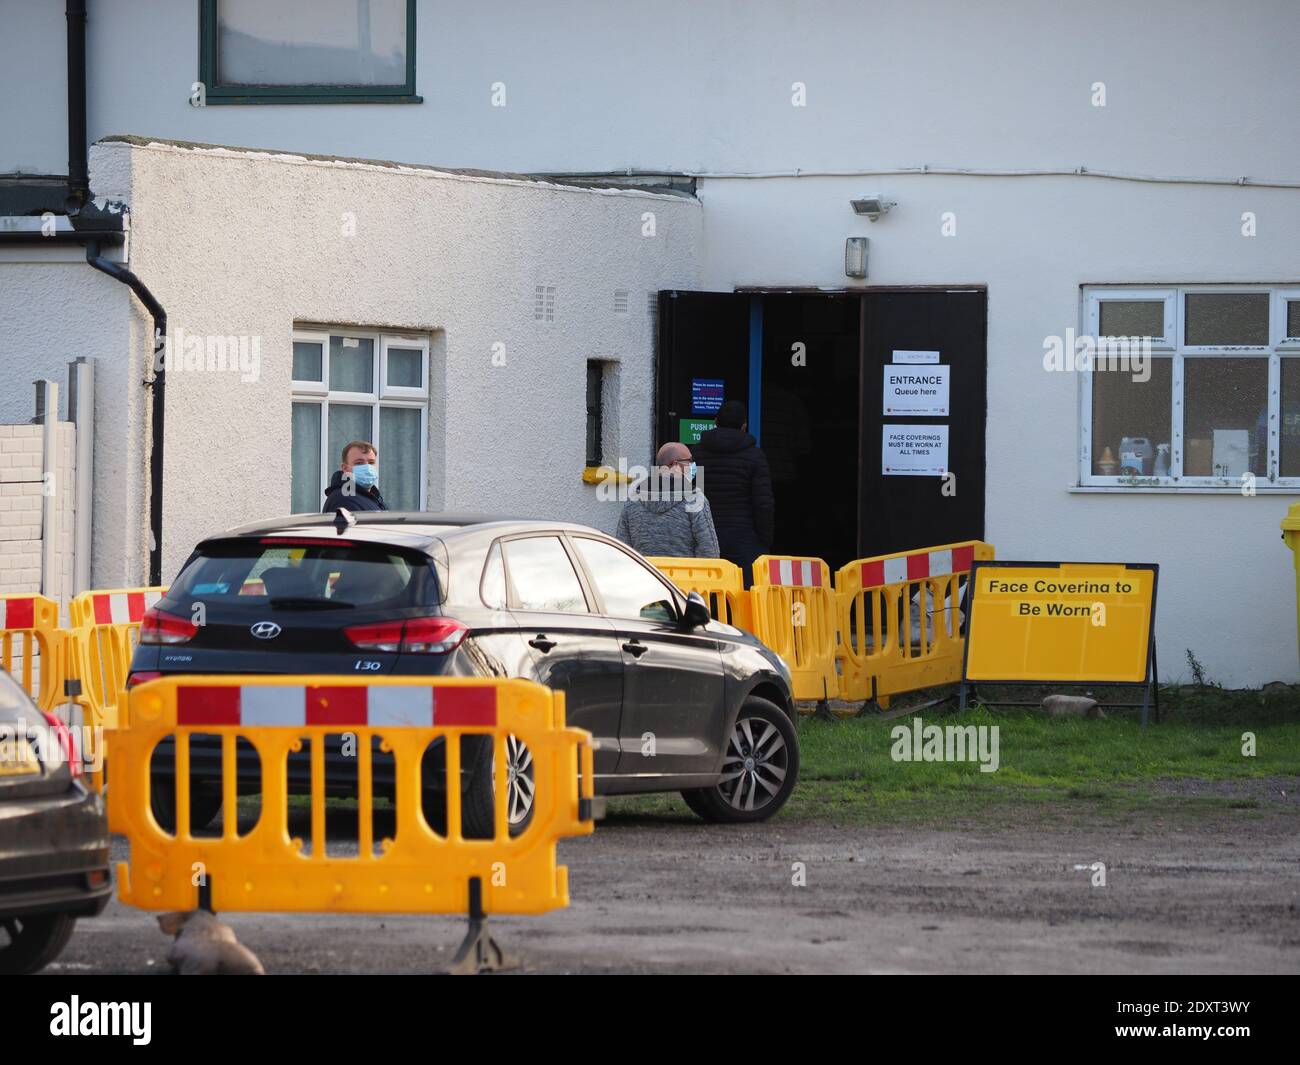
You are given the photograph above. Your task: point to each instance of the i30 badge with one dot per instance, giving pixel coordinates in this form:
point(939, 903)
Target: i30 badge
point(265, 630)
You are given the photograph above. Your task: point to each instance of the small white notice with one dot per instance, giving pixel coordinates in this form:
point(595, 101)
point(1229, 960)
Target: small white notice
point(916, 390)
point(916, 356)
point(914, 451)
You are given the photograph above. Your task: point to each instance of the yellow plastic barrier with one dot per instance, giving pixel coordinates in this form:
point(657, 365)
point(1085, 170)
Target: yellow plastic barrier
point(33, 649)
point(414, 871)
point(104, 634)
point(1291, 537)
point(900, 619)
point(721, 583)
point(794, 614)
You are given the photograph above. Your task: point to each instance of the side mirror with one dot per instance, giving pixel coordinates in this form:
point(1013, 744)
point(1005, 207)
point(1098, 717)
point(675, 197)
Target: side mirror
point(697, 611)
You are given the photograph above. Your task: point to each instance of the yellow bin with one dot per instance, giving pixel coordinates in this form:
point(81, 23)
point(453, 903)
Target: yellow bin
point(1291, 534)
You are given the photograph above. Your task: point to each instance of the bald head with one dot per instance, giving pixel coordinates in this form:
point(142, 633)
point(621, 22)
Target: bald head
point(672, 452)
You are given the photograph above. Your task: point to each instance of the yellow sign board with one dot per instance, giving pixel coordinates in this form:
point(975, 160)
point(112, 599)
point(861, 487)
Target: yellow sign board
point(1077, 622)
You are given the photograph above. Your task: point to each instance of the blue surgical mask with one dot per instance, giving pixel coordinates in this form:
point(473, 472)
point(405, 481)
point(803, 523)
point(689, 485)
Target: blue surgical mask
point(690, 473)
point(366, 475)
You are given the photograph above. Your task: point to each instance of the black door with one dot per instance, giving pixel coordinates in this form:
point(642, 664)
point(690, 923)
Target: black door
point(673, 694)
point(573, 650)
point(901, 512)
point(703, 336)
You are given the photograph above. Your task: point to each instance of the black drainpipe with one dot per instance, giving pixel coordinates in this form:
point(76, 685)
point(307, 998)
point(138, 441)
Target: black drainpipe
point(78, 196)
point(78, 167)
point(157, 383)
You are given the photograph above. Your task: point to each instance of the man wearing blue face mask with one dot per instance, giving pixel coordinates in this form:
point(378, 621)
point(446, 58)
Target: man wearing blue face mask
point(356, 485)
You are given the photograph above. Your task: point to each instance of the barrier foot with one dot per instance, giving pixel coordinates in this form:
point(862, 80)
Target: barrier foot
point(870, 708)
point(479, 952)
point(823, 711)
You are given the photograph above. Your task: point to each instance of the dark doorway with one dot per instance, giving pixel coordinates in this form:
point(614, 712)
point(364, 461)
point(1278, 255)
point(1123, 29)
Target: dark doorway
point(810, 368)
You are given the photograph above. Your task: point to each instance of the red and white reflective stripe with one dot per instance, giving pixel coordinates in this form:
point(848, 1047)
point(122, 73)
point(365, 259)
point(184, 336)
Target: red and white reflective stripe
point(116, 608)
point(917, 567)
point(306, 705)
point(794, 573)
point(17, 613)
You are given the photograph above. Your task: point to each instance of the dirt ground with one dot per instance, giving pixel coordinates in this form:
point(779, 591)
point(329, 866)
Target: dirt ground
point(1197, 887)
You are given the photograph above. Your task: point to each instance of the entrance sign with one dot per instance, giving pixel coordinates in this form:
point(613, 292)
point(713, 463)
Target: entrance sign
point(916, 390)
point(914, 451)
point(1068, 622)
point(916, 356)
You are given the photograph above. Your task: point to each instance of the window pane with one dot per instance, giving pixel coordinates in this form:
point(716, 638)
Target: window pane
point(494, 580)
point(594, 430)
point(1132, 318)
point(543, 577)
point(1226, 318)
point(623, 583)
point(1293, 318)
point(400, 449)
point(325, 42)
point(348, 422)
point(352, 364)
point(1127, 410)
point(306, 489)
point(1226, 411)
point(308, 360)
point(404, 366)
point(1290, 434)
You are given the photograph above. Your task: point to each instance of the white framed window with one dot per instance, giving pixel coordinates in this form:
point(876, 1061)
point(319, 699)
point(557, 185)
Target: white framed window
point(359, 385)
point(1211, 403)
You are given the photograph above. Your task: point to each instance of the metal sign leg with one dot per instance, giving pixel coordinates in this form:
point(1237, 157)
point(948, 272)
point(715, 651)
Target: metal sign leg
point(479, 952)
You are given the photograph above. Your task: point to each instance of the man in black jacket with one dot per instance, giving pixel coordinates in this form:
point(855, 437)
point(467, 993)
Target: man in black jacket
point(356, 485)
point(738, 486)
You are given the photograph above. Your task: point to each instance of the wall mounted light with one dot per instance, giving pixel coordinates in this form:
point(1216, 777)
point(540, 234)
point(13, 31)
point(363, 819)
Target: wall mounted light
point(872, 206)
point(855, 257)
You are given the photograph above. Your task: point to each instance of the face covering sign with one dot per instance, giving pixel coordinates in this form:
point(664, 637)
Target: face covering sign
point(914, 451)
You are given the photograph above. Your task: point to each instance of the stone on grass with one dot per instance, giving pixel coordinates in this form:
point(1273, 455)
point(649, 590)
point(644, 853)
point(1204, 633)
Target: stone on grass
point(1071, 706)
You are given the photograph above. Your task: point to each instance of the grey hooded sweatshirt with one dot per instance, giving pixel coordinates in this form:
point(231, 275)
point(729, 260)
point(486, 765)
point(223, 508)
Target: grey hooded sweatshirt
point(671, 528)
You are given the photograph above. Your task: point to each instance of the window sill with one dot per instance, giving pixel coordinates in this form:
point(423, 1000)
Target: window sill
point(1183, 489)
point(243, 100)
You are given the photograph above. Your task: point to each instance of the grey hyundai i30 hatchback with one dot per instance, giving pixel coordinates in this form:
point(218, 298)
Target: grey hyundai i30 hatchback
point(674, 700)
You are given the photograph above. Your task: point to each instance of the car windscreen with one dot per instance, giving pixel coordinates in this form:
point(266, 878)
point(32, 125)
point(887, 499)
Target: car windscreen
point(304, 575)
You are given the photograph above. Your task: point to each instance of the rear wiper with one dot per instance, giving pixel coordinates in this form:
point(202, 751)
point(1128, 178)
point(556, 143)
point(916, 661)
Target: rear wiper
point(305, 602)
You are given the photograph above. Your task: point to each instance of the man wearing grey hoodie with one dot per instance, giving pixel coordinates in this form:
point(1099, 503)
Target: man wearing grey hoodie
point(667, 516)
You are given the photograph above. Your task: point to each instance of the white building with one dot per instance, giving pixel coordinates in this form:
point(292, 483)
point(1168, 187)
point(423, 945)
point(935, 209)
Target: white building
point(1042, 159)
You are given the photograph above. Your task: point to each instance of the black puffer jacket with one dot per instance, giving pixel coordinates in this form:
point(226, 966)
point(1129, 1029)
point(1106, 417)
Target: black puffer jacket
point(738, 486)
point(360, 499)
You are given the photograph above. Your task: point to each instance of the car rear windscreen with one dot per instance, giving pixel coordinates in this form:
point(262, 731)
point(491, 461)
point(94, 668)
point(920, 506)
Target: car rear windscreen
point(305, 575)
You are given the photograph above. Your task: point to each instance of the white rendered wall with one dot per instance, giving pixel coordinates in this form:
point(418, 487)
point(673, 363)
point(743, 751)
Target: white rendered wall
point(1193, 86)
point(239, 243)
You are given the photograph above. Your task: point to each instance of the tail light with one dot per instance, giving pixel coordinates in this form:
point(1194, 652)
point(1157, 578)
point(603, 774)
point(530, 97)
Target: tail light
point(424, 636)
point(132, 679)
point(64, 735)
point(158, 626)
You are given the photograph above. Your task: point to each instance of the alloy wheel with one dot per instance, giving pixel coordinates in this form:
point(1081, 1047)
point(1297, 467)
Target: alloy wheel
point(755, 764)
point(520, 787)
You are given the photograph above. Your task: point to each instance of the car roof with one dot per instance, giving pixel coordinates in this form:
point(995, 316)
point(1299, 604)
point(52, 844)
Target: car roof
point(409, 528)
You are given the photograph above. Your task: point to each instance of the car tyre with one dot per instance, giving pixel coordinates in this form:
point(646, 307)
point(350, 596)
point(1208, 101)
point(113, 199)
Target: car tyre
point(28, 944)
point(204, 805)
point(477, 815)
point(760, 767)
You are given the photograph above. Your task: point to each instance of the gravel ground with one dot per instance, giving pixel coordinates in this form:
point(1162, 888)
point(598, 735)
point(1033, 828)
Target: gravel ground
point(1190, 888)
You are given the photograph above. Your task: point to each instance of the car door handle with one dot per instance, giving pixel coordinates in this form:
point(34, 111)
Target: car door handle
point(636, 648)
point(541, 643)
